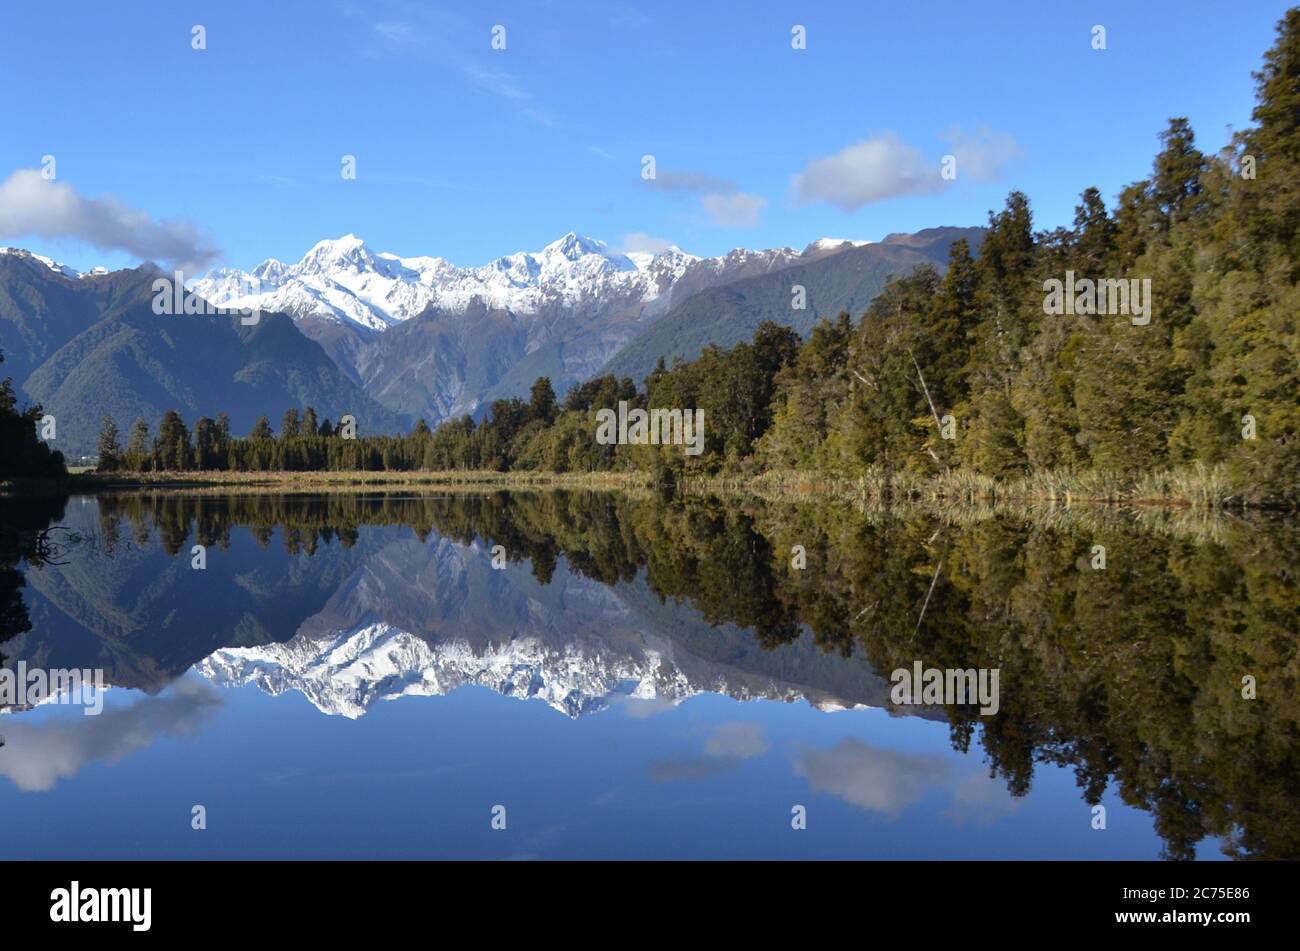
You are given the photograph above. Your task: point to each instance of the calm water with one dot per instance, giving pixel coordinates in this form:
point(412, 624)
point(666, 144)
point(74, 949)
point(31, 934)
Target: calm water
point(351, 677)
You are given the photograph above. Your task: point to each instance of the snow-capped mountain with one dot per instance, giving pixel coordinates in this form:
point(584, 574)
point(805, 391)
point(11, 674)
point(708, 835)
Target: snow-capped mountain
point(344, 280)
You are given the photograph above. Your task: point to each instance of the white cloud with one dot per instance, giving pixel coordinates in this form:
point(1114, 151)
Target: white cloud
point(868, 171)
point(884, 167)
point(32, 206)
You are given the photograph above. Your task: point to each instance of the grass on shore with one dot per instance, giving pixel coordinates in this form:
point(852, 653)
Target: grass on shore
point(1199, 486)
point(1202, 487)
point(125, 480)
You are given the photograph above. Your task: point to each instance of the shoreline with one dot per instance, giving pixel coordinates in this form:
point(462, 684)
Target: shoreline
point(1196, 489)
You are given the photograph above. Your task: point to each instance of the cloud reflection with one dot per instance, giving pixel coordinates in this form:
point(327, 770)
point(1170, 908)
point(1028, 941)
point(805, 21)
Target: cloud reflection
point(37, 755)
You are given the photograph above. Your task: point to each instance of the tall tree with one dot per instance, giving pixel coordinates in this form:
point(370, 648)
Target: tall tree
point(137, 450)
point(542, 404)
point(110, 448)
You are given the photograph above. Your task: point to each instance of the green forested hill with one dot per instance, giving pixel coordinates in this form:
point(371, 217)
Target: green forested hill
point(93, 347)
point(844, 281)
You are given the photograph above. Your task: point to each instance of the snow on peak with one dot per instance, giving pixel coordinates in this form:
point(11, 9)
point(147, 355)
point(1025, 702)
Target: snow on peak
point(344, 281)
point(833, 244)
point(346, 253)
point(57, 267)
point(347, 673)
point(573, 246)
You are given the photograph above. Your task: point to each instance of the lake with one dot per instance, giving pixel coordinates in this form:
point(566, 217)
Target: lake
point(560, 674)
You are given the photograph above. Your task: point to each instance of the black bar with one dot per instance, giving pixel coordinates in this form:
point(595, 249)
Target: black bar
point(380, 900)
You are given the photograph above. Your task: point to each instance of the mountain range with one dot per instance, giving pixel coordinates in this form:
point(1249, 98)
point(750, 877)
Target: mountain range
point(393, 339)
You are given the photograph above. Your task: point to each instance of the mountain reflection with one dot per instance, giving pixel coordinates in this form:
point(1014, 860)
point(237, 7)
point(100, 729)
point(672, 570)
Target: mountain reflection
point(1131, 676)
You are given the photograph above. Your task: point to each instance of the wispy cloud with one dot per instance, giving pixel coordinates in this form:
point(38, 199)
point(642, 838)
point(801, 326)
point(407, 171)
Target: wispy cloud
point(884, 166)
point(638, 242)
point(495, 81)
point(541, 117)
point(445, 38)
point(397, 34)
point(739, 740)
point(736, 210)
point(692, 182)
point(719, 198)
point(982, 154)
point(278, 181)
point(725, 749)
point(31, 206)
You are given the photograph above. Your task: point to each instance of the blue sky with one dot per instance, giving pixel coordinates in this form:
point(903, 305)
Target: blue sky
point(468, 152)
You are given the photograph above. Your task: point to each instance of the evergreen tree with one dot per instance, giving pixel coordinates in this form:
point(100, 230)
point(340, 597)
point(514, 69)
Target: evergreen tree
point(137, 450)
point(110, 449)
point(22, 453)
point(172, 447)
point(542, 404)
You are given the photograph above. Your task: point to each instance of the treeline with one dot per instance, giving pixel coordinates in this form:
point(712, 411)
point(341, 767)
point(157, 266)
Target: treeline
point(975, 370)
point(22, 453)
point(304, 444)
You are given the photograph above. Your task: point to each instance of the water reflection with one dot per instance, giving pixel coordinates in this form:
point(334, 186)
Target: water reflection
point(1130, 677)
